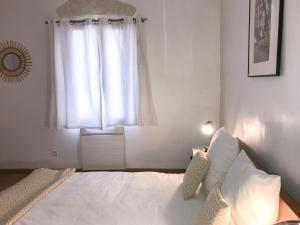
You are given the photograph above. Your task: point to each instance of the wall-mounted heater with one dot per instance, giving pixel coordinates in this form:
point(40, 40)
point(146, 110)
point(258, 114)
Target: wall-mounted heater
point(103, 149)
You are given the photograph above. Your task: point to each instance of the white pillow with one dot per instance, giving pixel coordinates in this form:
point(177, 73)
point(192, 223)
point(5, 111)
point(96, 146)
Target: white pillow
point(252, 194)
point(222, 151)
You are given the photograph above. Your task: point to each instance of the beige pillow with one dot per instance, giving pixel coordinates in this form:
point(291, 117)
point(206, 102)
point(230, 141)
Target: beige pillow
point(194, 174)
point(215, 210)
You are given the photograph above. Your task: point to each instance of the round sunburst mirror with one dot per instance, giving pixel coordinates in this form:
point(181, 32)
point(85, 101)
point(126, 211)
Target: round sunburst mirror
point(15, 61)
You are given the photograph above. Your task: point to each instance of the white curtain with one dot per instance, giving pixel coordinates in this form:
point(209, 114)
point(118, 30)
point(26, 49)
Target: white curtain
point(100, 75)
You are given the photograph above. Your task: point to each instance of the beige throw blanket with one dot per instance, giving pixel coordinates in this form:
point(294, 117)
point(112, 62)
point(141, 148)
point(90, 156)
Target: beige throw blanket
point(17, 200)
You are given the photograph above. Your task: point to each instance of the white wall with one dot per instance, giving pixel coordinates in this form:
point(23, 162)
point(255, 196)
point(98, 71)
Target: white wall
point(263, 112)
point(184, 64)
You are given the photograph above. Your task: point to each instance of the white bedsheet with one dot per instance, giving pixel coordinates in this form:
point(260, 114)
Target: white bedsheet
point(114, 198)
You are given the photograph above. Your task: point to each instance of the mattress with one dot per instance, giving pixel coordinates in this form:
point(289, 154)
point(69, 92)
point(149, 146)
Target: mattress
point(116, 198)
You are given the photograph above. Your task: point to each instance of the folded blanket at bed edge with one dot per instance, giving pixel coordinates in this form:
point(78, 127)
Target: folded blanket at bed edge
point(17, 200)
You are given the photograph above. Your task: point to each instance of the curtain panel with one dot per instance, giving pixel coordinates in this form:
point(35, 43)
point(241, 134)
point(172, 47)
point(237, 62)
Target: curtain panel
point(100, 75)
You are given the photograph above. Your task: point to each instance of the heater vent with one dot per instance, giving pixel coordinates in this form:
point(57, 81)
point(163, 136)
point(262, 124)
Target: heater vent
point(103, 149)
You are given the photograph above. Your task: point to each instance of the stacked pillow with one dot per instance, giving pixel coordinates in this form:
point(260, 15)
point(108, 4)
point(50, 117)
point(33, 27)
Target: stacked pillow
point(222, 151)
point(252, 195)
point(238, 193)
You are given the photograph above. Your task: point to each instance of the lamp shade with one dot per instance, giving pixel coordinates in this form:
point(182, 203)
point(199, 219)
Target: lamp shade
point(208, 128)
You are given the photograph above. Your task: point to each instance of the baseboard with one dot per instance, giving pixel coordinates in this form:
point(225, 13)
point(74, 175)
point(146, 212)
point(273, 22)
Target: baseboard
point(133, 170)
point(15, 171)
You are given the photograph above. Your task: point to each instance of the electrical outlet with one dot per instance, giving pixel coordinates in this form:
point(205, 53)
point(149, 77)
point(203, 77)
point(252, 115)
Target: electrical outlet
point(54, 153)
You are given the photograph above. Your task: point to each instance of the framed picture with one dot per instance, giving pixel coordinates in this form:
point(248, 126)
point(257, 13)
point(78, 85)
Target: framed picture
point(265, 35)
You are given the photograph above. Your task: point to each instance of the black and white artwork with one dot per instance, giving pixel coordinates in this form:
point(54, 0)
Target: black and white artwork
point(265, 37)
point(262, 30)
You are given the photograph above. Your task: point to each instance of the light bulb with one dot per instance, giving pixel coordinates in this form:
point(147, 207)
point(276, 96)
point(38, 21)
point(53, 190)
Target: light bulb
point(208, 128)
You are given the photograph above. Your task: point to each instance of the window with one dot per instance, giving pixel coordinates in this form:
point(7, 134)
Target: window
point(100, 76)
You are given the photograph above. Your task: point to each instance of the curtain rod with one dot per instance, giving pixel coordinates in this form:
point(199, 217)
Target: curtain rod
point(95, 21)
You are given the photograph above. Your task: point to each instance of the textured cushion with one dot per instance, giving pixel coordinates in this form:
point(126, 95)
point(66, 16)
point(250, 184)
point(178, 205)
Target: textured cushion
point(252, 194)
point(215, 210)
point(194, 174)
point(17, 200)
point(222, 151)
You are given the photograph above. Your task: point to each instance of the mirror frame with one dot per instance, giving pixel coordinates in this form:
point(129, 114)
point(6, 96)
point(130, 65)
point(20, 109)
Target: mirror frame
point(25, 61)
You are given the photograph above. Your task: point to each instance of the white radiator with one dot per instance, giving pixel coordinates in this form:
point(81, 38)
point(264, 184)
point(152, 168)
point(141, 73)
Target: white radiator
point(103, 149)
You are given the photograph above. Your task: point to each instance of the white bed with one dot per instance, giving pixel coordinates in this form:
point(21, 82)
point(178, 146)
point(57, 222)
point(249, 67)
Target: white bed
point(106, 198)
point(50, 197)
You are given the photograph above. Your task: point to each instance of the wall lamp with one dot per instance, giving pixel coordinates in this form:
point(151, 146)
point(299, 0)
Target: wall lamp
point(208, 128)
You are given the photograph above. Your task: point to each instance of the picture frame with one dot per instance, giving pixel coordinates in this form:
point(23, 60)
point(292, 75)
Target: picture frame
point(265, 37)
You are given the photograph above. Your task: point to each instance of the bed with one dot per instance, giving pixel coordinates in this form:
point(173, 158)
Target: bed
point(115, 198)
point(121, 198)
point(245, 194)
